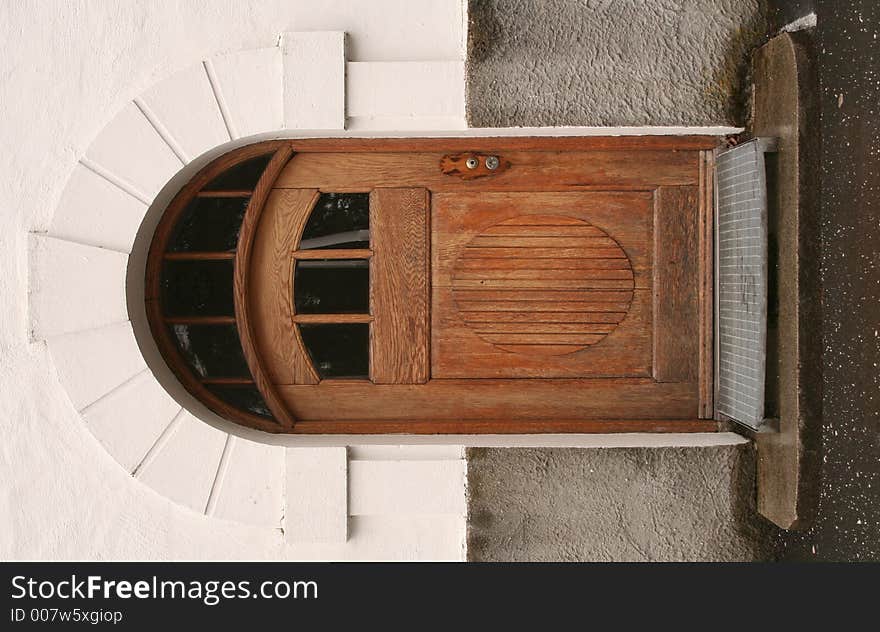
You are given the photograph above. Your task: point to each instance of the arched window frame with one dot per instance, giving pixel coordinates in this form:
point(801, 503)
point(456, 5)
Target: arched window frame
point(158, 322)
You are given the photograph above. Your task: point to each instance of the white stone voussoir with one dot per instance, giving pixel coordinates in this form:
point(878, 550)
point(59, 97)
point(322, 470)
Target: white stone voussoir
point(74, 286)
point(92, 362)
point(249, 89)
point(132, 154)
point(96, 212)
point(130, 418)
point(250, 488)
point(184, 467)
point(186, 113)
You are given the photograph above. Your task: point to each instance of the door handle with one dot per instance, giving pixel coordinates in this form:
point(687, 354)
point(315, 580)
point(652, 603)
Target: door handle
point(471, 165)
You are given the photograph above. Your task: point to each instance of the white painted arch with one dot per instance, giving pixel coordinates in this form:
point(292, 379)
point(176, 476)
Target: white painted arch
point(95, 247)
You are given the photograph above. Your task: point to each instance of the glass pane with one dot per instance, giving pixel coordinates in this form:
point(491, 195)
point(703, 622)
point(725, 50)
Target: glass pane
point(209, 225)
point(338, 350)
point(326, 286)
point(339, 220)
point(211, 350)
point(197, 288)
point(242, 397)
point(242, 177)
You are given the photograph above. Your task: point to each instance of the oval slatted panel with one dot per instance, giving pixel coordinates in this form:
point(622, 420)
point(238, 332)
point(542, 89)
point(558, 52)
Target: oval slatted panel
point(543, 284)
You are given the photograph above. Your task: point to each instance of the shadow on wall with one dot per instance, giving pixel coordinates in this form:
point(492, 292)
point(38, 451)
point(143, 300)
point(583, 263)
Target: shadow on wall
point(610, 63)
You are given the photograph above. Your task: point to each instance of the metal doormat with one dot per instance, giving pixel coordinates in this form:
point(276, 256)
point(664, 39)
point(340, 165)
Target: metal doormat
point(741, 281)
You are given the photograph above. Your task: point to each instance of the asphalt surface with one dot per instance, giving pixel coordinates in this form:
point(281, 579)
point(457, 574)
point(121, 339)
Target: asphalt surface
point(847, 49)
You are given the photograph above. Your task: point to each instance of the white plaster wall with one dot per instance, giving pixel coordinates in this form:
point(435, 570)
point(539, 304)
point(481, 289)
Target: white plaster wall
point(67, 70)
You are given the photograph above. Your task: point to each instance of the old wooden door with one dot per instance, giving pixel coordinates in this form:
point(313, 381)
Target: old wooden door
point(486, 285)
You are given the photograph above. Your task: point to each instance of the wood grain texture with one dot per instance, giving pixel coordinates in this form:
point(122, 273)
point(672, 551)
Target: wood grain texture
point(601, 186)
point(530, 329)
point(676, 283)
point(224, 194)
point(459, 351)
point(332, 318)
point(505, 426)
point(456, 165)
point(479, 400)
point(534, 170)
point(399, 291)
point(496, 144)
point(200, 320)
point(575, 304)
point(237, 381)
point(517, 310)
point(333, 253)
point(706, 288)
point(270, 287)
point(254, 353)
point(199, 256)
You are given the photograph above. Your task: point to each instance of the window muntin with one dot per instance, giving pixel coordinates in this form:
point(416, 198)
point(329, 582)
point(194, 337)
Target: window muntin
point(193, 311)
point(195, 305)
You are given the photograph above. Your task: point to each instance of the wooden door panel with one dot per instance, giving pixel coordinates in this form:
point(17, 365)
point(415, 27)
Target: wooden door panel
point(512, 297)
point(560, 291)
point(511, 399)
point(676, 283)
point(530, 170)
point(625, 217)
point(399, 286)
point(465, 349)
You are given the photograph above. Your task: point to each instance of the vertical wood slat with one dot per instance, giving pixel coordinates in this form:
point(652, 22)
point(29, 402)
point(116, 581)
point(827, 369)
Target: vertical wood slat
point(399, 286)
point(241, 290)
point(270, 290)
point(706, 292)
point(676, 270)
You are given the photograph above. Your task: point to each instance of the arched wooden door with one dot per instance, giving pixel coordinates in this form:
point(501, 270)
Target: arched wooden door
point(480, 286)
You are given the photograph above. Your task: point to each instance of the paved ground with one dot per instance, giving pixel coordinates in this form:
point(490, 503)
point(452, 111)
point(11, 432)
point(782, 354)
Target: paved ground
point(848, 53)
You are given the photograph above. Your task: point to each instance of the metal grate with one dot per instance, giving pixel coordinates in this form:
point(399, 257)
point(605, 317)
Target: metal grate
point(741, 278)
